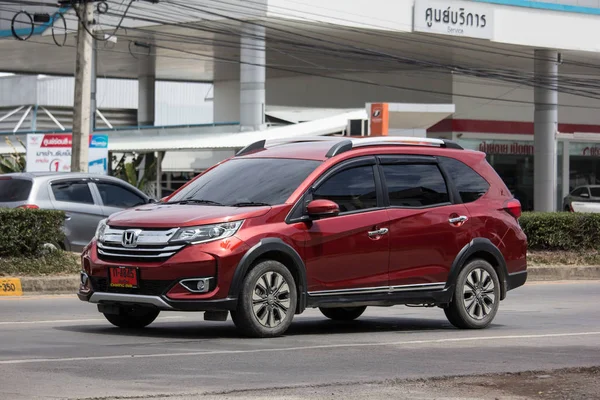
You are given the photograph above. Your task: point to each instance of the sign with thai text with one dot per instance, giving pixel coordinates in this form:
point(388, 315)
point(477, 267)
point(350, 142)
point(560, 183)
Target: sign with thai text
point(52, 153)
point(456, 18)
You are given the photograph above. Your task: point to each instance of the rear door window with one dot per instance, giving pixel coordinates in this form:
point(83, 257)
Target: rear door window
point(14, 189)
point(415, 185)
point(72, 192)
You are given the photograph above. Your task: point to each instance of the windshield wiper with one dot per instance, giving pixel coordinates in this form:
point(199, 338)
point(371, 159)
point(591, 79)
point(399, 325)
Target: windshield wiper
point(194, 201)
point(250, 204)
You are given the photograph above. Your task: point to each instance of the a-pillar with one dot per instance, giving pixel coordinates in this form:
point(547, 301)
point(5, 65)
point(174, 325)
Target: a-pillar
point(146, 91)
point(252, 77)
point(545, 130)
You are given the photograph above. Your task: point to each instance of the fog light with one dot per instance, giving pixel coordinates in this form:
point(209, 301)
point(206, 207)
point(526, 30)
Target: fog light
point(84, 278)
point(196, 285)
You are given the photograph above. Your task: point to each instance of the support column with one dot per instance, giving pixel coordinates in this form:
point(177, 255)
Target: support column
point(82, 98)
point(545, 130)
point(566, 171)
point(147, 91)
point(252, 77)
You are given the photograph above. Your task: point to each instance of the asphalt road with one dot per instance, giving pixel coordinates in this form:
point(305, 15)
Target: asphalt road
point(59, 347)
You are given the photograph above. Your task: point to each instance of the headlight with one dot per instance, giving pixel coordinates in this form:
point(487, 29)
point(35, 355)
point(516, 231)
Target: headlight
point(206, 233)
point(100, 230)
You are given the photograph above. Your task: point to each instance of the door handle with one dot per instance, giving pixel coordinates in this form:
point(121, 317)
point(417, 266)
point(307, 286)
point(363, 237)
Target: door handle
point(458, 220)
point(378, 232)
point(67, 217)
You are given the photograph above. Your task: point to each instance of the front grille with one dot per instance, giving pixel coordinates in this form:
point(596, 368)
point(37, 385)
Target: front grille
point(143, 253)
point(146, 287)
point(148, 245)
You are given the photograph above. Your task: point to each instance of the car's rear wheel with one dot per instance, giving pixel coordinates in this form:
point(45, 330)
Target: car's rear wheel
point(267, 302)
point(132, 318)
point(343, 313)
point(476, 296)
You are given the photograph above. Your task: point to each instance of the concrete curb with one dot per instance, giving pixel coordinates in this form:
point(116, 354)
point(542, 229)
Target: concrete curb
point(70, 283)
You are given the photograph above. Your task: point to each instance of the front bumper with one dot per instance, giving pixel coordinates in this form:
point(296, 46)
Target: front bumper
point(160, 283)
point(160, 302)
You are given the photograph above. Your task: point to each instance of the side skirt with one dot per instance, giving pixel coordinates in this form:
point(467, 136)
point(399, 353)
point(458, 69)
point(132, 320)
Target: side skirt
point(418, 297)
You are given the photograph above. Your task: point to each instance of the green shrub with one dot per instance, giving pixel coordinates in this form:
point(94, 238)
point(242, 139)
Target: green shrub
point(561, 231)
point(51, 264)
point(23, 232)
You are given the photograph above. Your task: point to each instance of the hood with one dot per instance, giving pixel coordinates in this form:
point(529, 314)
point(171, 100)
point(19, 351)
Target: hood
point(179, 215)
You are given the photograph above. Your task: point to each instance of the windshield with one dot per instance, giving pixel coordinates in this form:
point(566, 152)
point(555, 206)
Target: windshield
point(246, 181)
point(595, 191)
point(14, 189)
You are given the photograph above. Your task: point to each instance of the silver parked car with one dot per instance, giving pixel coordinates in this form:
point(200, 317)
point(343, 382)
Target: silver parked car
point(582, 194)
point(85, 198)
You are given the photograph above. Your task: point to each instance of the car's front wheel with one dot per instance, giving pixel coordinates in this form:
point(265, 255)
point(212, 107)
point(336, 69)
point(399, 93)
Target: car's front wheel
point(267, 302)
point(476, 296)
point(343, 313)
point(132, 318)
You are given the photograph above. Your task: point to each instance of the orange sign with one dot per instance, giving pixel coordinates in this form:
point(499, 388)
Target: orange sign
point(379, 119)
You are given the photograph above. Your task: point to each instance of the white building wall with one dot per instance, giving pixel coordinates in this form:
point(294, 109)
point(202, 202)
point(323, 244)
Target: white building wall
point(17, 90)
point(181, 103)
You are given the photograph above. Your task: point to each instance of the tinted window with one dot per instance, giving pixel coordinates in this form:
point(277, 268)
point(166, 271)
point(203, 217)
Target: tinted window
point(415, 185)
point(352, 189)
point(117, 196)
point(577, 192)
point(14, 189)
point(261, 180)
point(595, 192)
point(469, 183)
point(73, 192)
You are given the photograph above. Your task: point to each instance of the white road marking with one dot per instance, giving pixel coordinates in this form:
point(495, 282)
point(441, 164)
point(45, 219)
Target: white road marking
point(70, 321)
point(332, 346)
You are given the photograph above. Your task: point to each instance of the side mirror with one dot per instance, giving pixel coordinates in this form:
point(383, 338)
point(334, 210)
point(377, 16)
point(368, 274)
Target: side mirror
point(322, 209)
point(586, 195)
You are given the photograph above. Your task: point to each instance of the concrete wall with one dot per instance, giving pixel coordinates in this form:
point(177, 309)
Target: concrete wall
point(585, 110)
point(306, 91)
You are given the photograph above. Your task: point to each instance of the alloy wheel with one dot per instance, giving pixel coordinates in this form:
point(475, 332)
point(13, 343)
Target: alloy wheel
point(478, 294)
point(271, 299)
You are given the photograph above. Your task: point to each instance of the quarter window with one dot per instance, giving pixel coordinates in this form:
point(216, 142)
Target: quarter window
point(469, 183)
point(352, 189)
point(73, 192)
point(415, 185)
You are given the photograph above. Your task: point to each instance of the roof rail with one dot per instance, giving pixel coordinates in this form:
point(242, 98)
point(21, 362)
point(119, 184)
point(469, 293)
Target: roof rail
point(264, 144)
point(343, 144)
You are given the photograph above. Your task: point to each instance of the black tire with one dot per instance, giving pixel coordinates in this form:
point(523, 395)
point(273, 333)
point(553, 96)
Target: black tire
point(269, 319)
point(343, 313)
point(130, 318)
point(474, 306)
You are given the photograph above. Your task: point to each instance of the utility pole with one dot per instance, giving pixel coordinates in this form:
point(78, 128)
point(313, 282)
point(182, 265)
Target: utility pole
point(83, 89)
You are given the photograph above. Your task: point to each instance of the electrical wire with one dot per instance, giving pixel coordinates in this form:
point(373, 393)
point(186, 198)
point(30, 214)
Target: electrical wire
point(357, 52)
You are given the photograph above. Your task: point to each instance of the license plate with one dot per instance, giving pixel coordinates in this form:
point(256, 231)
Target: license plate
point(124, 277)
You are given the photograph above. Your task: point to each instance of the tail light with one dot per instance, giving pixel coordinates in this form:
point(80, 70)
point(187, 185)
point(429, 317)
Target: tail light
point(513, 207)
point(29, 206)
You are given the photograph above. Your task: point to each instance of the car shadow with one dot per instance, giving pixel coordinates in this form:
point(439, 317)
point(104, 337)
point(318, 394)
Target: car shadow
point(190, 329)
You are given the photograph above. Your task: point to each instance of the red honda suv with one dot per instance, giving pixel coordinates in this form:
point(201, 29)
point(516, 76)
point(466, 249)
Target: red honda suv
point(333, 223)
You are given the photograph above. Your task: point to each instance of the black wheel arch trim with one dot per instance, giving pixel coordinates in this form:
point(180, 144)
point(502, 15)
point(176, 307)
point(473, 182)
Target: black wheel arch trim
point(263, 247)
point(480, 245)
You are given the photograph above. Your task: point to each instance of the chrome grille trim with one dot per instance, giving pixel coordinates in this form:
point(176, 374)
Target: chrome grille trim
point(151, 245)
point(117, 255)
point(143, 249)
point(146, 237)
